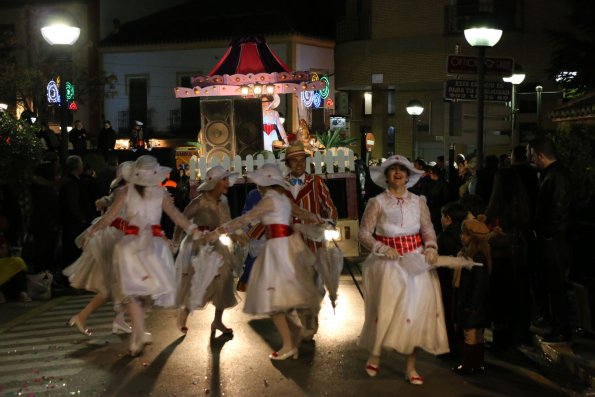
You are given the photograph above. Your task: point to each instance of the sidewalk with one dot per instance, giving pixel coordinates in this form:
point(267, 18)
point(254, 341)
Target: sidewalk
point(567, 366)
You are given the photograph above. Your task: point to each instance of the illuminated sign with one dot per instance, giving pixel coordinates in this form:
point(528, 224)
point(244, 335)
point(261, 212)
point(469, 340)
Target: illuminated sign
point(52, 92)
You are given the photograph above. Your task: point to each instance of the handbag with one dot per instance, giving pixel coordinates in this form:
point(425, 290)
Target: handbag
point(39, 286)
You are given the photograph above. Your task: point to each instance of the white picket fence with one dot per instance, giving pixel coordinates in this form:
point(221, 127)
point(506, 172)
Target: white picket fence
point(342, 158)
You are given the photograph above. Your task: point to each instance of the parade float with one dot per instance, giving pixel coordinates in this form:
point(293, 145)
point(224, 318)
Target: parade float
point(232, 128)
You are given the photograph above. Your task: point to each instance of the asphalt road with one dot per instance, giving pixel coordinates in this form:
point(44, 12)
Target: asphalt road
point(40, 356)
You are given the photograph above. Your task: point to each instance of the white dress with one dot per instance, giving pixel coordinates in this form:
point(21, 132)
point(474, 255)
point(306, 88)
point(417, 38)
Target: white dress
point(402, 312)
point(143, 263)
point(282, 277)
point(92, 271)
point(205, 213)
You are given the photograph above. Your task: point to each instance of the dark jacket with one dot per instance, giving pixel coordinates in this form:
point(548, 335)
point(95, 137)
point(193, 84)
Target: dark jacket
point(553, 203)
point(78, 138)
point(106, 140)
point(473, 294)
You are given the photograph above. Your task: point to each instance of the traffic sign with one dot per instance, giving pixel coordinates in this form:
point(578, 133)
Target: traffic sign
point(459, 64)
point(466, 90)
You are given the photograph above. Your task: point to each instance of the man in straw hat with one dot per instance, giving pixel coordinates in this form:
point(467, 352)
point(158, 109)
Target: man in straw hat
point(311, 193)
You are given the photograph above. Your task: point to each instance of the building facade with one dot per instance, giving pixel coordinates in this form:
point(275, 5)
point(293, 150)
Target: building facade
point(393, 51)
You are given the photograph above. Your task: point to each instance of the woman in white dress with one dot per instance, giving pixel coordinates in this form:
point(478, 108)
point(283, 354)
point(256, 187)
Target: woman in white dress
point(208, 210)
point(402, 312)
point(142, 257)
point(92, 271)
point(282, 278)
point(272, 127)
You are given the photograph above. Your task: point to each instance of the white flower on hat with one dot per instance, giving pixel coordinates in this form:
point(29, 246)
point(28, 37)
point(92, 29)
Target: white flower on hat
point(214, 175)
point(145, 171)
point(377, 173)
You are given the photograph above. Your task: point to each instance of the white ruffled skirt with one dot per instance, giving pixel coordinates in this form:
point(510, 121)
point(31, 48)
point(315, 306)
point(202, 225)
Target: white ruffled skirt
point(145, 267)
point(402, 312)
point(193, 264)
point(93, 270)
point(283, 278)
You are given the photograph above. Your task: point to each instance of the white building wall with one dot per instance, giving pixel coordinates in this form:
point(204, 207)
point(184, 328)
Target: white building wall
point(163, 70)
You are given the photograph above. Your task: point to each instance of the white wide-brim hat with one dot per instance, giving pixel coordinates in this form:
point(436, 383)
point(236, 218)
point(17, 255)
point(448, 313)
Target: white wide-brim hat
point(269, 175)
point(116, 182)
point(214, 175)
point(145, 171)
point(377, 173)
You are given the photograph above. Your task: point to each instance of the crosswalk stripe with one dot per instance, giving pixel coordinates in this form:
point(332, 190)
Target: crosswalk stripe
point(36, 353)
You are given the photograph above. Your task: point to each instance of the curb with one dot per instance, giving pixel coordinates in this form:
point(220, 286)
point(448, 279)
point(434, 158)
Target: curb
point(562, 354)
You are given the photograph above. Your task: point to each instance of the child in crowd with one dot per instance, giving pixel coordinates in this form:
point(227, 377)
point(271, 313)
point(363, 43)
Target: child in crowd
point(472, 294)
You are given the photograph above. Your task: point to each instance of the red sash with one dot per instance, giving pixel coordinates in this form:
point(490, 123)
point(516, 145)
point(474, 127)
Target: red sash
point(119, 223)
point(131, 229)
point(277, 230)
point(268, 128)
point(403, 244)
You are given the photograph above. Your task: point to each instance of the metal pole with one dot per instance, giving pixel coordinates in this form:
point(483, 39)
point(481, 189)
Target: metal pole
point(538, 91)
point(413, 138)
point(514, 134)
point(63, 58)
point(480, 102)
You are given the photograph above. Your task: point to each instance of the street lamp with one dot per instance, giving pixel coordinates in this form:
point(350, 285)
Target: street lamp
point(482, 34)
point(414, 108)
point(518, 76)
point(61, 33)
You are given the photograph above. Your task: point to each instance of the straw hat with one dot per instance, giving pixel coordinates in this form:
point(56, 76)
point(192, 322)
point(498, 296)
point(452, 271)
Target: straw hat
point(145, 171)
point(214, 175)
point(295, 150)
point(268, 175)
point(377, 173)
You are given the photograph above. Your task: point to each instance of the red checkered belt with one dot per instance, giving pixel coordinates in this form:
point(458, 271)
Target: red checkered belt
point(268, 128)
point(119, 223)
point(131, 229)
point(205, 228)
point(402, 244)
point(277, 230)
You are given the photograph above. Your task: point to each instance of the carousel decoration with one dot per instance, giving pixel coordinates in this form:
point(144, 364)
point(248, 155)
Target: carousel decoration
point(250, 69)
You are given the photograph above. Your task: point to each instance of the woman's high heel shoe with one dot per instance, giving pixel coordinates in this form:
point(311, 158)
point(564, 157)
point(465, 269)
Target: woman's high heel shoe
point(137, 346)
point(118, 328)
point(372, 369)
point(293, 353)
point(224, 330)
point(79, 325)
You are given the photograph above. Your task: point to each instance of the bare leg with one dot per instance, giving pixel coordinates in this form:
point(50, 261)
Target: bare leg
point(410, 372)
point(97, 301)
point(80, 318)
point(280, 321)
point(217, 323)
point(137, 314)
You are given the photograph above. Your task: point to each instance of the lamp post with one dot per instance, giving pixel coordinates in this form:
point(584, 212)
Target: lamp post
point(61, 33)
point(482, 34)
point(414, 108)
point(518, 76)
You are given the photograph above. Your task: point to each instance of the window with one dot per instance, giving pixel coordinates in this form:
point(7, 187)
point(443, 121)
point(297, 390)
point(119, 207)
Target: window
point(367, 103)
point(137, 88)
point(189, 125)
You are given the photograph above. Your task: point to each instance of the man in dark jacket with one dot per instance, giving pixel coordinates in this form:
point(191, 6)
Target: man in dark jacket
point(106, 139)
point(78, 138)
point(551, 227)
